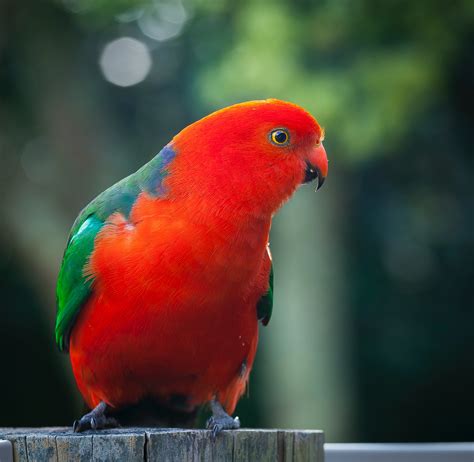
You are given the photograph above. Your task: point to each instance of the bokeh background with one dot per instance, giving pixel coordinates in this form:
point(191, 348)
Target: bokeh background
point(372, 334)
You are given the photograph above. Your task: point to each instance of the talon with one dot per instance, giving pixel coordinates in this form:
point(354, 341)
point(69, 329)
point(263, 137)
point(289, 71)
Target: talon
point(220, 420)
point(210, 424)
point(95, 419)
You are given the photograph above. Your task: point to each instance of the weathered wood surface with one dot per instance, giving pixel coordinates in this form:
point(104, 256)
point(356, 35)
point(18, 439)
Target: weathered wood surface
point(164, 445)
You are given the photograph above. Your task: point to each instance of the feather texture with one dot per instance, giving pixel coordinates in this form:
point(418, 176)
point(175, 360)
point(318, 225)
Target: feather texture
point(167, 273)
point(74, 286)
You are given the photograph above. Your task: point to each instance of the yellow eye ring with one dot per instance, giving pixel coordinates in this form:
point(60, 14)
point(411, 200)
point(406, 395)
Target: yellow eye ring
point(280, 137)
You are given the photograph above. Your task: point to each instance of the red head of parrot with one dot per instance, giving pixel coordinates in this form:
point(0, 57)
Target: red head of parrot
point(250, 156)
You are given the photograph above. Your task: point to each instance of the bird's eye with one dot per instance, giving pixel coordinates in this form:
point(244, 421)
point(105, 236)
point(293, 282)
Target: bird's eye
point(279, 137)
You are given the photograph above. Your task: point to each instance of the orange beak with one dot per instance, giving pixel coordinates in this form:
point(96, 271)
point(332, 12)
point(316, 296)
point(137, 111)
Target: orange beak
point(316, 166)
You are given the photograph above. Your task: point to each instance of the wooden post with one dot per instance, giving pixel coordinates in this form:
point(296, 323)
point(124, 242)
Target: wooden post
point(163, 445)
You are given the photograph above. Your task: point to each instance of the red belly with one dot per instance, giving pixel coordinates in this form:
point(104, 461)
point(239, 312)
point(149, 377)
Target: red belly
point(123, 350)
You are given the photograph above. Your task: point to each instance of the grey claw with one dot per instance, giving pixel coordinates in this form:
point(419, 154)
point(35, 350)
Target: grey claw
point(95, 420)
point(217, 424)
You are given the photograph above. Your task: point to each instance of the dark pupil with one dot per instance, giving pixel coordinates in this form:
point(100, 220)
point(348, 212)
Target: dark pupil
point(280, 137)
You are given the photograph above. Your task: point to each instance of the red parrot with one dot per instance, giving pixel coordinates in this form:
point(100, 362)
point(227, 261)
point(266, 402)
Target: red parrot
point(167, 273)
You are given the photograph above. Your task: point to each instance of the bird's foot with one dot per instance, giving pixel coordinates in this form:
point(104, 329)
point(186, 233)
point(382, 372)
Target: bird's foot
point(220, 420)
point(217, 424)
point(95, 420)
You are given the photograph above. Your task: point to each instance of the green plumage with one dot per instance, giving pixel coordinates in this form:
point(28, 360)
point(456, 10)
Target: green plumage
point(74, 288)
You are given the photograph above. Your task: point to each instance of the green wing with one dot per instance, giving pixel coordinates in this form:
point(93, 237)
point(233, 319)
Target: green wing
point(73, 287)
point(265, 304)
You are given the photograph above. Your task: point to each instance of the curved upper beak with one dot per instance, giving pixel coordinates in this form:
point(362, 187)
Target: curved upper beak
point(312, 173)
point(316, 166)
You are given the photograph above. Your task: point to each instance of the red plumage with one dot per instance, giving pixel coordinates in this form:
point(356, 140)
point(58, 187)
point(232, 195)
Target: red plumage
point(173, 308)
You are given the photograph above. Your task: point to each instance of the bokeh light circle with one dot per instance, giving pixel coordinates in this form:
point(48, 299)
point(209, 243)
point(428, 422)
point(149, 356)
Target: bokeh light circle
point(125, 61)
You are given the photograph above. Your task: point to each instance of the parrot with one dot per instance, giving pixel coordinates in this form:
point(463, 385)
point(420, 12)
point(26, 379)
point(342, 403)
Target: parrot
point(167, 274)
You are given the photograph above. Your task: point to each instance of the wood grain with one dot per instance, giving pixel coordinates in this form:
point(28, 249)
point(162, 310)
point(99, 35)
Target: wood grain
point(164, 445)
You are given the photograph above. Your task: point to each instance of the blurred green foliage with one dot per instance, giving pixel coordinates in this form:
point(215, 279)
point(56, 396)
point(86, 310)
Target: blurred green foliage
point(371, 336)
